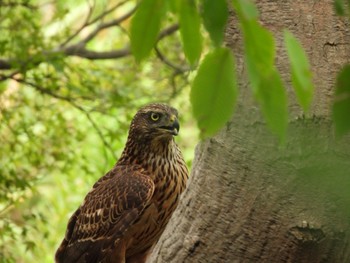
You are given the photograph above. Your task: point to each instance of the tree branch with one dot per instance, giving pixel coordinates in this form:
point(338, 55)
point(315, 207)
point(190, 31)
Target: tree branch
point(111, 23)
point(15, 4)
point(114, 22)
point(77, 32)
point(168, 31)
point(81, 51)
point(176, 68)
point(5, 64)
point(75, 105)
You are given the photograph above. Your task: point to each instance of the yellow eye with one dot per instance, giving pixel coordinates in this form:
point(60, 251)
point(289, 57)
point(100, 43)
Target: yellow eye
point(154, 116)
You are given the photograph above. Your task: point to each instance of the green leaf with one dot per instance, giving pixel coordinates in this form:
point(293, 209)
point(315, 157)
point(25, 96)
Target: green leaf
point(273, 100)
point(339, 7)
point(214, 91)
point(215, 15)
point(301, 72)
point(341, 105)
point(246, 9)
point(265, 80)
point(145, 27)
point(190, 31)
point(174, 6)
point(260, 58)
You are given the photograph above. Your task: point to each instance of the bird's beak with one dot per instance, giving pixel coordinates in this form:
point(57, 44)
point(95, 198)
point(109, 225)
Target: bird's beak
point(174, 126)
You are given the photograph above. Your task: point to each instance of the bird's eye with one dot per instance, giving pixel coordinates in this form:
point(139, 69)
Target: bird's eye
point(155, 116)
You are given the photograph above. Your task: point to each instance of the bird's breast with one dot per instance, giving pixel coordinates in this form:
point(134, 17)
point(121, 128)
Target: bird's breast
point(170, 181)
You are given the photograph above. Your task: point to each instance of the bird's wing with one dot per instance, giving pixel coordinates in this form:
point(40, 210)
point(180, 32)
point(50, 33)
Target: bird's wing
point(116, 201)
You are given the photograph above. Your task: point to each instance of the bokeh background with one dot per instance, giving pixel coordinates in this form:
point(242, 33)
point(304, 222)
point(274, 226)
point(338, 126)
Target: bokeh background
point(64, 118)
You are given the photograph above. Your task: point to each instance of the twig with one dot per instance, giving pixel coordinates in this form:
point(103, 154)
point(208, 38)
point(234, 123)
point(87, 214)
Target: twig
point(43, 90)
point(114, 22)
point(85, 24)
point(89, 22)
point(5, 64)
point(4, 77)
point(176, 90)
point(73, 103)
point(101, 16)
point(176, 68)
point(164, 33)
point(82, 52)
point(168, 31)
point(14, 4)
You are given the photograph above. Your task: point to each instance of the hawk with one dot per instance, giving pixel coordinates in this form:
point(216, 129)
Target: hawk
point(126, 211)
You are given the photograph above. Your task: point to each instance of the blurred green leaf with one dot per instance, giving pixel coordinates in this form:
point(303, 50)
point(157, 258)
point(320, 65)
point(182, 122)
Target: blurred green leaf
point(341, 105)
point(190, 31)
point(145, 27)
point(339, 7)
point(215, 15)
point(246, 9)
point(261, 56)
point(214, 91)
point(272, 97)
point(301, 72)
point(174, 6)
point(265, 80)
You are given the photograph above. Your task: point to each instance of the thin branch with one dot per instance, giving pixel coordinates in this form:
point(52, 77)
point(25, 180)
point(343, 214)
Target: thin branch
point(99, 132)
point(176, 68)
point(4, 77)
point(43, 90)
point(82, 52)
point(102, 15)
point(175, 88)
point(85, 24)
point(73, 103)
point(15, 4)
point(5, 209)
point(168, 31)
point(5, 64)
point(89, 22)
point(111, 23)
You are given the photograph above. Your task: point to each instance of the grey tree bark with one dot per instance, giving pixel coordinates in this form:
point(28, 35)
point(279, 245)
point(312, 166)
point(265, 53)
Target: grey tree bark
point(250, 199)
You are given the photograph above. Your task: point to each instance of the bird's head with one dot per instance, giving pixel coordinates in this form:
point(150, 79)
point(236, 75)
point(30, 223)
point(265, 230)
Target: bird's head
point(155, 121)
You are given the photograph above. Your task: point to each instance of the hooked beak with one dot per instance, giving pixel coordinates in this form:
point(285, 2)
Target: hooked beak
point(174, 125)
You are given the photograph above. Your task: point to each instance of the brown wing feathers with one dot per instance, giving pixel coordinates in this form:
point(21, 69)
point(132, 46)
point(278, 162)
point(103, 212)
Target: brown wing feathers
point(109, 209)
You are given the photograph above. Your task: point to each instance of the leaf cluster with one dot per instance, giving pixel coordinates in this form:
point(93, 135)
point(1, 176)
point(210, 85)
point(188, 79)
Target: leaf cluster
point(68, 91)
point(215, 83)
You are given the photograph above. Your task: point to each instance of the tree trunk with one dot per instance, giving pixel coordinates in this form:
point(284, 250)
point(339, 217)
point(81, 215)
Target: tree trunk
point(250, 199)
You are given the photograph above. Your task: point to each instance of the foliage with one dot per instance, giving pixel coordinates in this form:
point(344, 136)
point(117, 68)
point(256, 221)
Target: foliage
point(217, 70)
point(301, 72)
point(215, 16)
point(68, 90)
point(266, 82)
point(341, 106)
point(145, 27)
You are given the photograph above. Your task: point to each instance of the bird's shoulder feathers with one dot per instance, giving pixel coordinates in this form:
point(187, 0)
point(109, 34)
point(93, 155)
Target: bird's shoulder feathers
point(112, 206)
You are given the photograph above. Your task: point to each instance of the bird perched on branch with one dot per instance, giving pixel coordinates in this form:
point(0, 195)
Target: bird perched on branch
point(126, 211)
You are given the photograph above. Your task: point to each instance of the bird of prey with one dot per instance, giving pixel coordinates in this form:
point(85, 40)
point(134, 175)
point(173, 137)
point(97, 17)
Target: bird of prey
point(126, 211)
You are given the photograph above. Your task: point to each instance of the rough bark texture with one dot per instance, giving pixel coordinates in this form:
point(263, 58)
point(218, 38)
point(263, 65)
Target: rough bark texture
point(249, 200)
